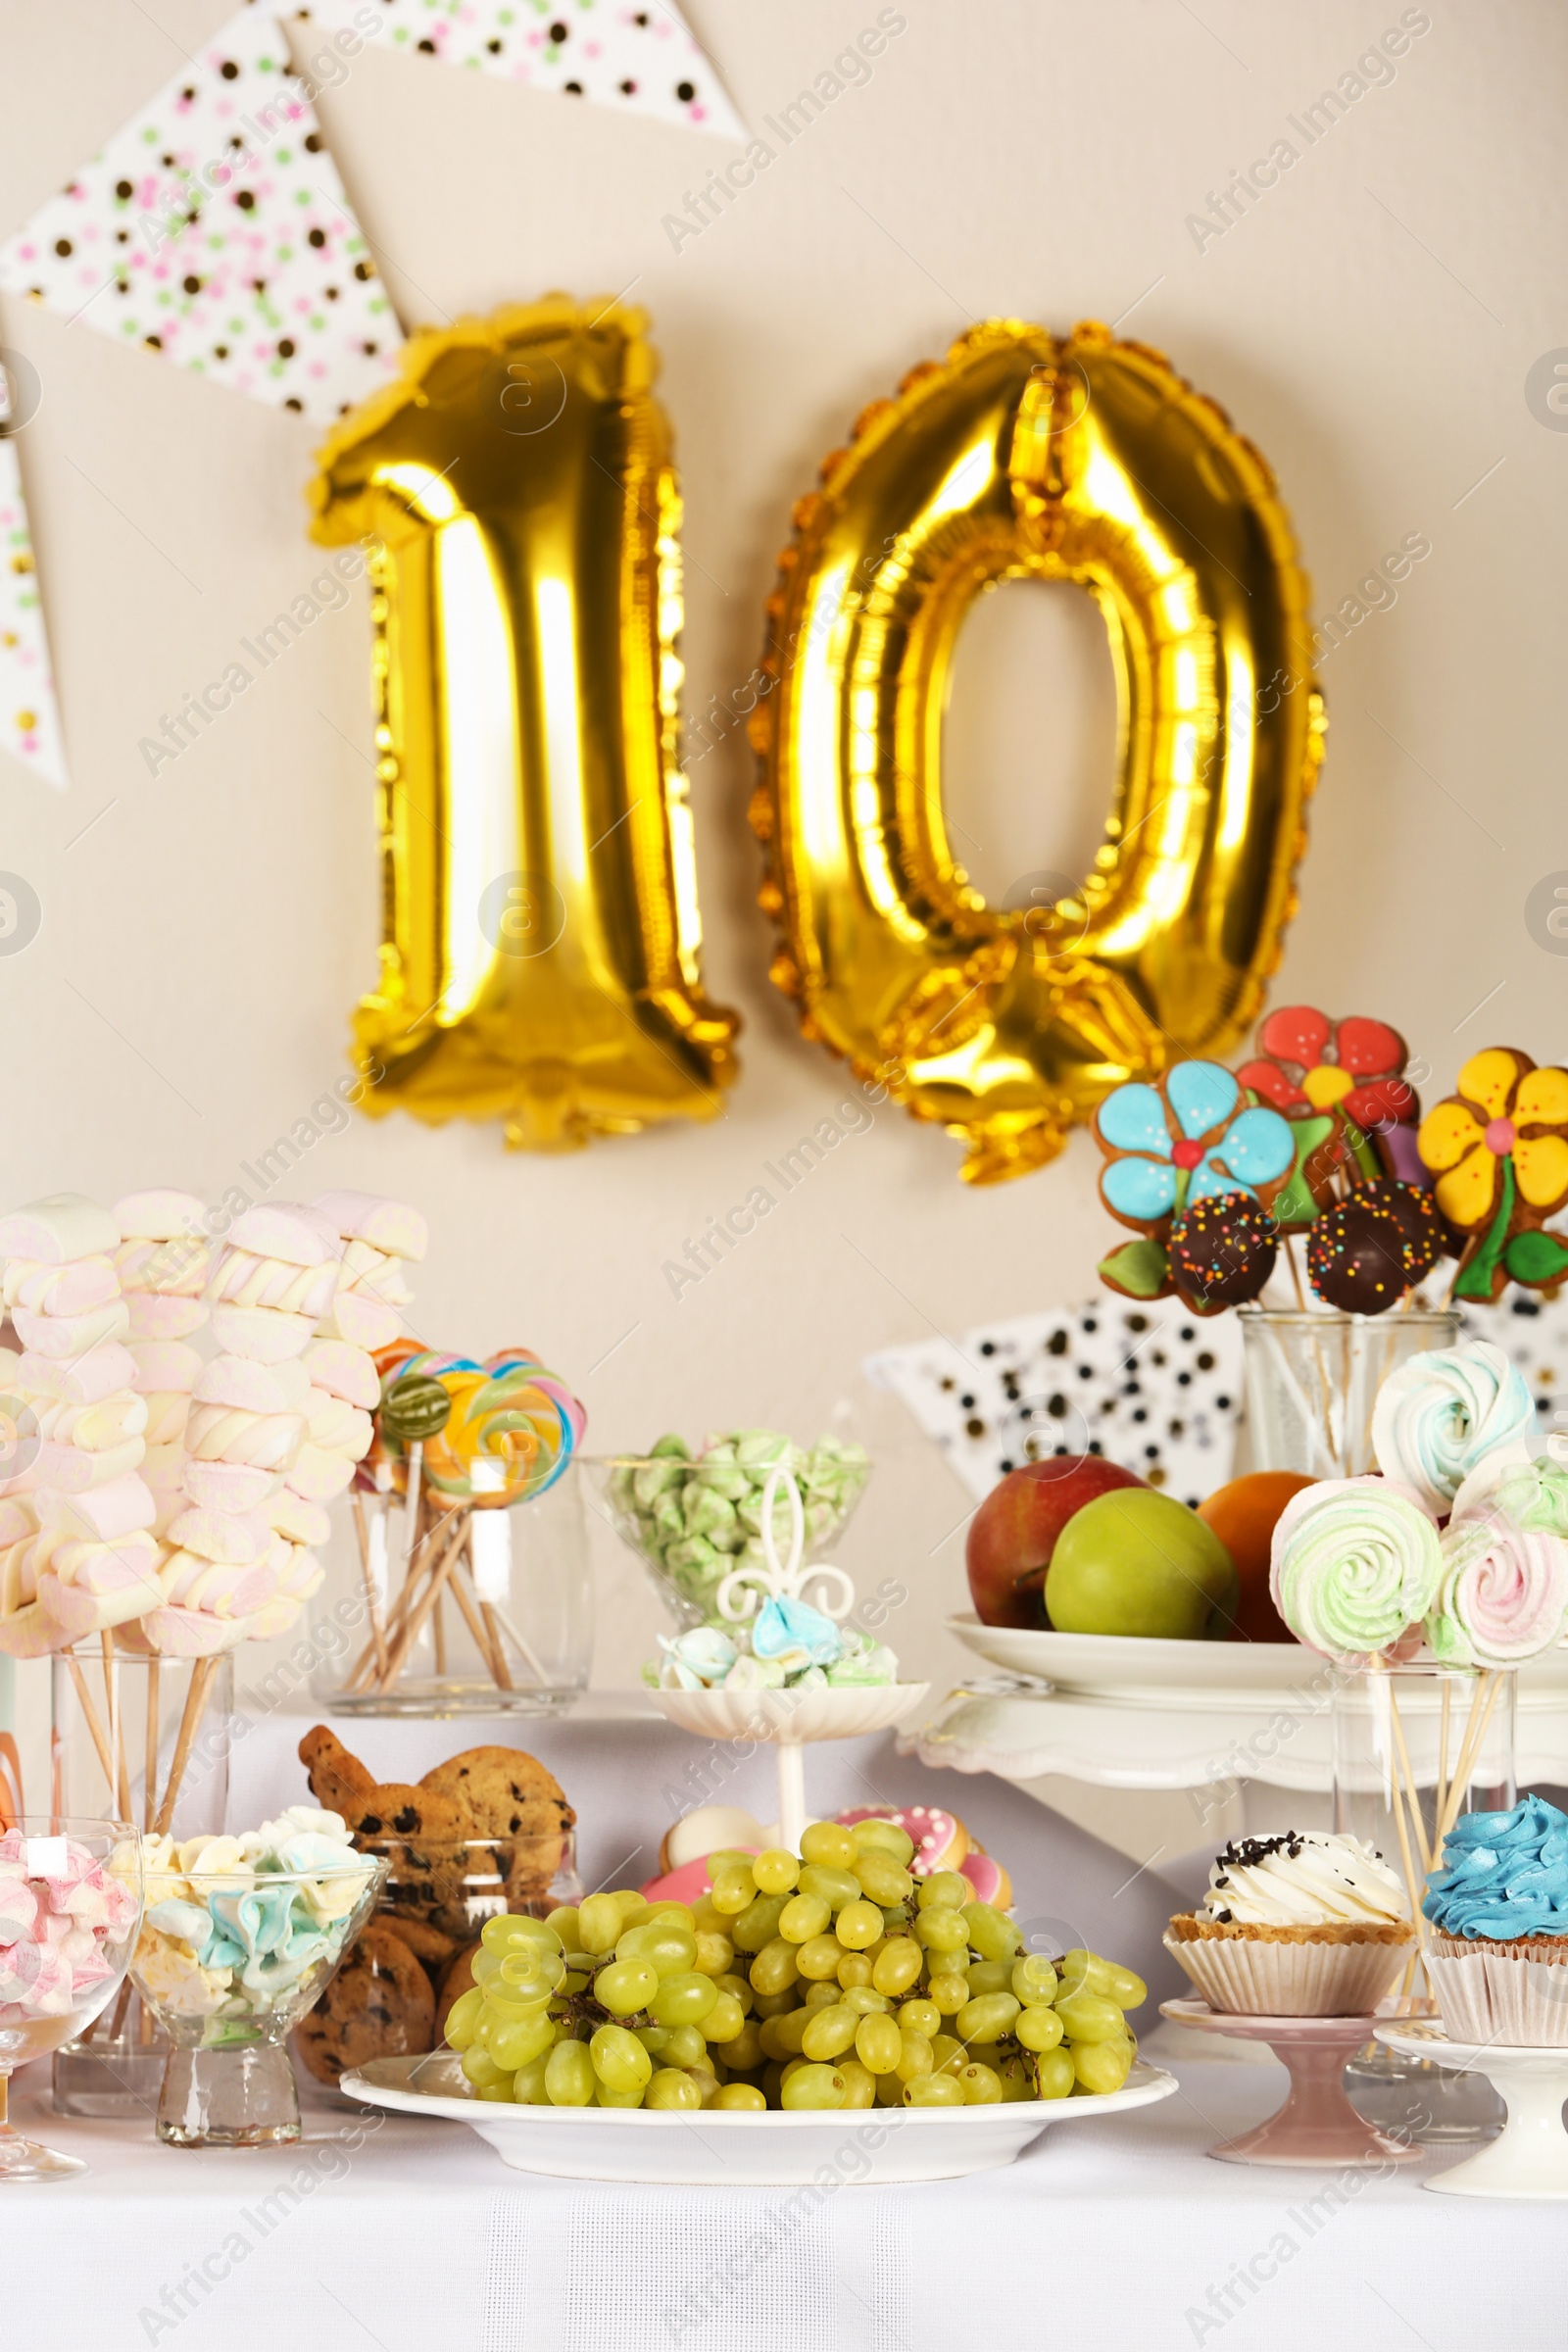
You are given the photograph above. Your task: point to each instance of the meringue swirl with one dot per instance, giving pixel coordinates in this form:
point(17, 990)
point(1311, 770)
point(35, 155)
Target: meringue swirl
point(1503, 1594)
point(1354, 1562)
point(1439, 1414)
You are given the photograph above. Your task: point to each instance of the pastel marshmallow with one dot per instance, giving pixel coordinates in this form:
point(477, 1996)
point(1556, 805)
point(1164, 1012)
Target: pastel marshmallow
point(255, 1387)
point(285, 1229)
point(298, 1520)
point(74, 1470)
point(363, 1320)
point(232, 1487)
point(372, 1271)
point(58, 1228)
point(318, 1477)
point(159, 1214)
point(162, 1466)
point(222, 1588)
point(90, 1428)
point(176, 1633)
point(392, 1225)
point(344, 1371)
point(266, 1337)
point(168, 1412)
point(164, 1365)
point(118, 1508)
point(219, 1433)
point(19, 1518)
point(236, 1537)
point(98, 1374)
point(71, 1290)
point(246, 1281)
point(338, 1427)
point(155, 1317)
point(174, 1268)
point(65, 1336)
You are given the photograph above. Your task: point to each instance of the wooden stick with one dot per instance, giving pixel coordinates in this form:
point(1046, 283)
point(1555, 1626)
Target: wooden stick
point(150, 1769)
point(498, 1649)
point(439, 1628)
point(415, 1623)
point(1441, 1794)
point(1416, 1823)
point(200, 1678)
point(1475, 1734)
point(1296, 1272)
point(117, 1729)
point(367, 1666)
point(89, 1715)
point(1409, 1859)
point(368, 1577)
point(480, 1627)
point(518, 1643)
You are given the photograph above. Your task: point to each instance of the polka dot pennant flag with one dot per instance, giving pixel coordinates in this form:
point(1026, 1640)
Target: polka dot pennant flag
point(1152, 1387)
point(644, 60)
point(213, 229)
point(29, 719)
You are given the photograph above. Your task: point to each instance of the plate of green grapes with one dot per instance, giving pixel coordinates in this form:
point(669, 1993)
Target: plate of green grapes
point(810, 2009)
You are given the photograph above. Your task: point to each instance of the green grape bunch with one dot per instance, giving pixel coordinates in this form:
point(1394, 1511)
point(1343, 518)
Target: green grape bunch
point(824, 1980)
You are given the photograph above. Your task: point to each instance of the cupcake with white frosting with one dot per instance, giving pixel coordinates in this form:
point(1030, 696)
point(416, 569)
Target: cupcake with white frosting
point(1306, 1924)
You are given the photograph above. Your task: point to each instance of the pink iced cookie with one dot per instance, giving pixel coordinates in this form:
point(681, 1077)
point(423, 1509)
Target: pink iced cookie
point(688, 1885)
point(941, 1840)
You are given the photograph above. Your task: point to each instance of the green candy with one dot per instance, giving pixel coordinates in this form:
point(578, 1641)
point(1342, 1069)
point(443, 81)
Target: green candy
point(414, 1409)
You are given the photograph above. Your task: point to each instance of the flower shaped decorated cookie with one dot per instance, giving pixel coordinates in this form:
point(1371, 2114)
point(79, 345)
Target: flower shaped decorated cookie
point(1193, 1136)
point(1341, 1085)
point(1499, 1150)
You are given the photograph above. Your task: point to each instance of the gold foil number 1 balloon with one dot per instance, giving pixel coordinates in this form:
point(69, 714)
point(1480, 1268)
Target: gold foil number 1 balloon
point(1022, 456)
point(540, 933)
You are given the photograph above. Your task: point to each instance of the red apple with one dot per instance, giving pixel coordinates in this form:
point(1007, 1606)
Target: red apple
point(1015, 1532)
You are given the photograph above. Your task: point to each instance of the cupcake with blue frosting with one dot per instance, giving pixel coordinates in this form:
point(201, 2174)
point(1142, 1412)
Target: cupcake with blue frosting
point(1499, 1908)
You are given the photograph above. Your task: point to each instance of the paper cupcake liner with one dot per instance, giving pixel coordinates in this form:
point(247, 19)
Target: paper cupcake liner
point(1248, 1978)
point(1490, 1994)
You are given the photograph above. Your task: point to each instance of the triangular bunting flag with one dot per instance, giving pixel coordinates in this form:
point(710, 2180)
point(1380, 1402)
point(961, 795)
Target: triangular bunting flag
point(29, 718)
point(213, 229)
point(644, 60)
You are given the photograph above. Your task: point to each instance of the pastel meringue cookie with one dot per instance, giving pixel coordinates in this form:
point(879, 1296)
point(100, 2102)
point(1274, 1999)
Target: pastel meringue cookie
point(54, 1229)
point(223, 1433)
point(74, 1289)
point(1441, 1414)
point(1354, 1564)
point(344, 1371)
point(1503, 1594)
point(391, 1226)
point(65, 1336)
point(260, 1333)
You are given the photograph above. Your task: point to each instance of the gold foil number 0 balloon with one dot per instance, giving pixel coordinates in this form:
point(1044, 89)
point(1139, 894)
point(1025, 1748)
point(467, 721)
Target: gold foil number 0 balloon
point(1022, 456)
point(540, 935)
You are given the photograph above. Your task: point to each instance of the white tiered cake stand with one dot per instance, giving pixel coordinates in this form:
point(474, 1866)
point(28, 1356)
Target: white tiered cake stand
point(791, 1721)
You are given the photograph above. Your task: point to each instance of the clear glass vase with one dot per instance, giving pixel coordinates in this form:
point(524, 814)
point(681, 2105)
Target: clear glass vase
point(1312, 1380)
point(484, 1609)
point(1414, 1745)
point(119, 1725)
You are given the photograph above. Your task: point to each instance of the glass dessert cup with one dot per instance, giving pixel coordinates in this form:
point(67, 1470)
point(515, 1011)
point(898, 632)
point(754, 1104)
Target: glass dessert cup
point(1312, 1380)
point(229, 2082)
point(454, 1886)
point(627, 1490)
point(132, 1707)
point(52, 1989)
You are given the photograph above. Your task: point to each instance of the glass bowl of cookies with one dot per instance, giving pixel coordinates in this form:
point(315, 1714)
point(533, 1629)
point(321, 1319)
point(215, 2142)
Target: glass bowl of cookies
point(486, 1832)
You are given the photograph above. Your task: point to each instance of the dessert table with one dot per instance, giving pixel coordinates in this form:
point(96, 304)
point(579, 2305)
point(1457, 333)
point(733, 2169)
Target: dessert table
point(377, 2231)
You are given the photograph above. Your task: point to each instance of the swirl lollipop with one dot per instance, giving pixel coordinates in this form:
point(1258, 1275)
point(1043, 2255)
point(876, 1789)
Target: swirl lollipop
point(513, 1429)
point(1503, 1594)
point(1440, 1415)
point(1355, 1562)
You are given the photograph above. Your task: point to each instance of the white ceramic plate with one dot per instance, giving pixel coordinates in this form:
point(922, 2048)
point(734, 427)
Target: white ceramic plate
point(1117, 1665)
point(1129, 1662)
point(721, 2150)
point(792, 1715)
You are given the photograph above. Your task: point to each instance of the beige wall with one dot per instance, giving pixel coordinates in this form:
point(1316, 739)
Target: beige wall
point(1370, 326)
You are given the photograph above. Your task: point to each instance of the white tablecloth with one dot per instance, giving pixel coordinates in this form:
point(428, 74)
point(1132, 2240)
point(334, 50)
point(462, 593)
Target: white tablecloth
point(1113, 2236)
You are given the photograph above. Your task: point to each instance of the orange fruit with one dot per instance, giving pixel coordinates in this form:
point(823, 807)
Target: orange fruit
point(1243, 1515)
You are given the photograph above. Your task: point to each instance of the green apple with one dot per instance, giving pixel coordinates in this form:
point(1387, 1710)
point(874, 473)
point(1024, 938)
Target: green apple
point(1138, 1562)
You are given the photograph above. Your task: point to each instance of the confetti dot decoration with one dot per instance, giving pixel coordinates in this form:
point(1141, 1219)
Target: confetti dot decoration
point(30, 719)
point(638, 60)
point(214, 230)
